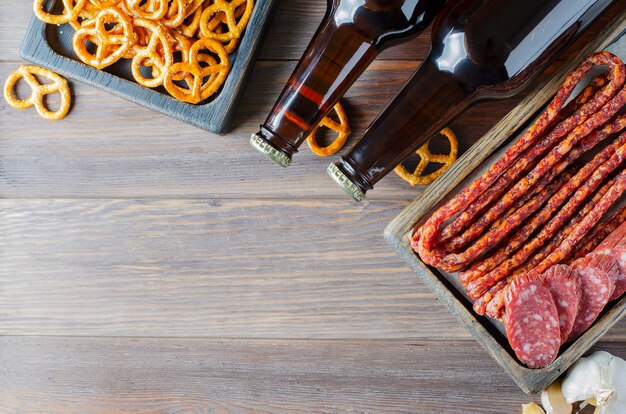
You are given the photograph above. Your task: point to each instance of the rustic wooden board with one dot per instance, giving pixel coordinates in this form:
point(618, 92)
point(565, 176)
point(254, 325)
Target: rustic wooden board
point(177, 375)
point(50, 46)
point(146, 154)
point(397, 234)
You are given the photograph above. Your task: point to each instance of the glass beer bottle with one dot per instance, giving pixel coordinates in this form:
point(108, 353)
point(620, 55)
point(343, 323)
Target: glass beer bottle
point(480, 49)
point(351, 35)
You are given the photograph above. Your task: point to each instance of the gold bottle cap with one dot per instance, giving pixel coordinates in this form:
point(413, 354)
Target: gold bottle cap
point(344, 182)
point(269, 150)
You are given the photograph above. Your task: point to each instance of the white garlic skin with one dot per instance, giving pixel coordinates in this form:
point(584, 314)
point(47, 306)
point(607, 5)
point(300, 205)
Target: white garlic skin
point(600, 376)
point(553, 401)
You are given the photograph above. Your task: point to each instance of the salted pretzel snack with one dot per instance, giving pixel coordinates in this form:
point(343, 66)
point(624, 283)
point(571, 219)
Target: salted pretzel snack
point(39, 91)
point(342, 128)
point(181, 45)
point(417, 177)
point(111, 43)
point(207, 73)
point(157, 55)
point(227, 10)
point(71, 11)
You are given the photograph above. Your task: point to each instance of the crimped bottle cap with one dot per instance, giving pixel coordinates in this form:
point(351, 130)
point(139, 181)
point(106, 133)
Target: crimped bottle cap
point(271, 152)
point(345, 183)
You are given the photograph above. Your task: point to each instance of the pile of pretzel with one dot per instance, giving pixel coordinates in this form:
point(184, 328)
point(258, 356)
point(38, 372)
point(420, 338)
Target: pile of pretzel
point(545, 200)
point(182, 45)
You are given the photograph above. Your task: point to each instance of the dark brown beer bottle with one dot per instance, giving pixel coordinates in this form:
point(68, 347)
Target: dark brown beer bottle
point(480, 49)
point(351, 35)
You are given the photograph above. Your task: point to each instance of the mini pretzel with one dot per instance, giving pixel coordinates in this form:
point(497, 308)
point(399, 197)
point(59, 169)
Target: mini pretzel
point(190, 25)
point(426, 157)
point(175, 14)
point(71, 11)
point(149, 9)
point(216, 69)
point(341, 128)
point(205, 80)
point(156, 54)
point(229, 9)
point(103, 4)
point(111, 44)
point(39, 91)
point(192, 78)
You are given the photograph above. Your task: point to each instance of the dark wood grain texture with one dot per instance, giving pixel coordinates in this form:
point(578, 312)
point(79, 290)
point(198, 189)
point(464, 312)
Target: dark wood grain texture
point(259, 376)
point(397, 233)
point(144, 154)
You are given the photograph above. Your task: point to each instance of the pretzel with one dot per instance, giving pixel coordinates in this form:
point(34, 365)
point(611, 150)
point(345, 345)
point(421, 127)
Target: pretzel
point(426, 157)
point(205, 80)
point(39, 91)
point(157, 54)
point(192, 78)
point(102, 4)
point(111, 45)
point(228, 8)
point(150, 9)
point(342, 128)
point(216, 70)
point(190, 25)
point(175, 14)
point(71, 11)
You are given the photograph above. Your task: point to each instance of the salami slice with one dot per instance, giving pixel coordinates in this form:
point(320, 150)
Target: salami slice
point(564, 285)
point(613, 239)
point(603, 261)
point(532, 322)
point(597, 289)
point(619, 253)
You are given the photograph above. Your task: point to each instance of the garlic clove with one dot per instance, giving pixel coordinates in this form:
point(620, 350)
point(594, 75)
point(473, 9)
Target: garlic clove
point(585, 377)
point(553, 400)
point(599, 380)
point(532, 408)
point(614, 389)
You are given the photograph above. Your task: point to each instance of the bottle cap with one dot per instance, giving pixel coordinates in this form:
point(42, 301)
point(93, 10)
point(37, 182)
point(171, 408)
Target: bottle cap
point(270, 151)
point(344, 182)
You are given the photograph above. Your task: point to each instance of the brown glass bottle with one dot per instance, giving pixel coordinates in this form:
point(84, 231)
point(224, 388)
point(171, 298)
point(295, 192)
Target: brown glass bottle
point(480, 49)
point(351, 35)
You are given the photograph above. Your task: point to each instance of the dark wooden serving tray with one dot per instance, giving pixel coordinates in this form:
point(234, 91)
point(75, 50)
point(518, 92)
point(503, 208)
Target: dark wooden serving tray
point(50, 46)
point(447, 290)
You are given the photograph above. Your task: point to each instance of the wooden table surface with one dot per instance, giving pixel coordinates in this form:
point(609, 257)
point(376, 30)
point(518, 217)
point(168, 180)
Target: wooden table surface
point(148, 266)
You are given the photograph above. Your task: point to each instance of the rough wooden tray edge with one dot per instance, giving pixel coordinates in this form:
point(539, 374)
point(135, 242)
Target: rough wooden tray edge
point(215, 116)
point(397, 232)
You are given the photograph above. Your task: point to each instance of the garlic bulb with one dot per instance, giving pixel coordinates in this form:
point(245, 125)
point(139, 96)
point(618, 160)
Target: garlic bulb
point(531, 408)
point(553, 400)
point(601, 377)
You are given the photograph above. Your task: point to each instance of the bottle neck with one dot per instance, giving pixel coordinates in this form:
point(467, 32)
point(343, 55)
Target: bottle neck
point(316, 85)
point(426, 105)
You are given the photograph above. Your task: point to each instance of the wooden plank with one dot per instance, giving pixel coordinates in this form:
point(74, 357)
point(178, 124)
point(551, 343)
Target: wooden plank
point(219, 268)
point(108, 147)
point(118, 375)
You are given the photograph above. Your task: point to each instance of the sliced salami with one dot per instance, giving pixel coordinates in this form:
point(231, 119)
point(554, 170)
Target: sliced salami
point(603, 261)
point(613, 239)
point(619, 253)
point(564, 285)
point(597, 288)
point(532, 322)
